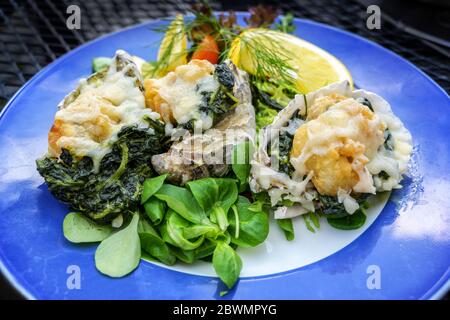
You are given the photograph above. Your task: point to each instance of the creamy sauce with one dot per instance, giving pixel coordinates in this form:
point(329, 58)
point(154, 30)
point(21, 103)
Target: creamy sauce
point(178, 95)
point(89, 124)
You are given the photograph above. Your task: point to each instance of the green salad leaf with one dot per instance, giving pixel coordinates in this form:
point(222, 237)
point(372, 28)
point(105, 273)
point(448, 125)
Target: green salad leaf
point(253, 226)
point(182, 202)
point(200, 230)
point(120, 254)
point(100, 63)
point(241, 163)
point(152, 243)
point(186, 256)
point(350, 222)
point(151, 186)
point(172, 232)
point(287, 227)
point(78, 228)
point(215, 196)
point(206, 249)
point(227, 263)
point(155, 210)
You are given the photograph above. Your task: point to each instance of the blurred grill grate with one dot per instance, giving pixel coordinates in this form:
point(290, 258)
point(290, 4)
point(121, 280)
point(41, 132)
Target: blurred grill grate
point(33, 32)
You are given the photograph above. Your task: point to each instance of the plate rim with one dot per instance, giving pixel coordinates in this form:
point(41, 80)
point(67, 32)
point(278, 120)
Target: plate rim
point(437, 291)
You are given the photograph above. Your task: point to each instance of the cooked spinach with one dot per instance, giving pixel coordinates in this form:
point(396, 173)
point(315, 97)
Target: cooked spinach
point(338, 217)
point(365, 102)
point(117, 185)
point(179, 223)
point(384, 175)
point(216, 104)
point(331, 208)
point(282, 147)
point(224, 76)
point(389, 143)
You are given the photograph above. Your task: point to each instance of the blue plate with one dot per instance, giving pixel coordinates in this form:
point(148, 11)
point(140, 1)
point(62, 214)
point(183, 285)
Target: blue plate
point(404, 254)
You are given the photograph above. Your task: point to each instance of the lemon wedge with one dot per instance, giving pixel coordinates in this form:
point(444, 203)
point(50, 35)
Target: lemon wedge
point(309, 66)
point(173, 49)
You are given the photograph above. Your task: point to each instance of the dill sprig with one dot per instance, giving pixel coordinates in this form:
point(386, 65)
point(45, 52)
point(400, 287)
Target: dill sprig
point(271, 60)
point(268, 57)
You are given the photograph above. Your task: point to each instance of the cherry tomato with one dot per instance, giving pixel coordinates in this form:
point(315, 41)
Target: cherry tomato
point(207, 50)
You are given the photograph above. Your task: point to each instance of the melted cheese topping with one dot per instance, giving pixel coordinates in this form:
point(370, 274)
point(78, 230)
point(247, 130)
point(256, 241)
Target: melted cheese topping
point(89, 124)
point(340, 148)
point(336, 146)
point(177, 96)
point(395, 162)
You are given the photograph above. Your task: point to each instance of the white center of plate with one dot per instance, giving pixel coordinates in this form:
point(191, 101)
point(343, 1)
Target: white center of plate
point(277, 254)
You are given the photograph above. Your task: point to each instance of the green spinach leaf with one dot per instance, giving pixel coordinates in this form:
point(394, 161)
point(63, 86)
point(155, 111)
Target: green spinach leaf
point(120, 254)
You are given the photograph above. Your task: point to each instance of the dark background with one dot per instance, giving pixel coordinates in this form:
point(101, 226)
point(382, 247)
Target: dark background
point(33, 33)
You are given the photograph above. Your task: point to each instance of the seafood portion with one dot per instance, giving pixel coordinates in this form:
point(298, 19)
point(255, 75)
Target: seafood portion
point(101, 143)
point(333, 142)
point(207, 154)
point(90, 117)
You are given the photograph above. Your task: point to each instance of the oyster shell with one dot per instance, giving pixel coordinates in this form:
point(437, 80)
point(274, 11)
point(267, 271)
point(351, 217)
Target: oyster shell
point(265, 176)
